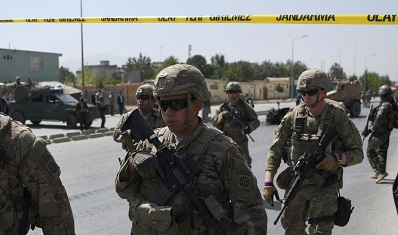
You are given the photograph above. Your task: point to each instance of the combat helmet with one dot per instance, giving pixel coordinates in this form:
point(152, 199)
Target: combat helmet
point(144, 90)
point(385, 90)
point(233, 86)
point(312, 79)
point(181, 79)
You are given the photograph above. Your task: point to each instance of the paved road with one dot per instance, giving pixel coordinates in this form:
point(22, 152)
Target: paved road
point(89, 168)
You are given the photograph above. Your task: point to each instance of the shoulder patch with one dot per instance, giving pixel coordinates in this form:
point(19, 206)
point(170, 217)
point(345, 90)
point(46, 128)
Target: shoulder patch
point(50, 164)
point(244, 180)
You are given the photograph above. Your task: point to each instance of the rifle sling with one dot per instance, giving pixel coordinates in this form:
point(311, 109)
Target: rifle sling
point(165, 193)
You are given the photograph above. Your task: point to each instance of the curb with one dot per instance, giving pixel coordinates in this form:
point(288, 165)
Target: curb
point(89, 134)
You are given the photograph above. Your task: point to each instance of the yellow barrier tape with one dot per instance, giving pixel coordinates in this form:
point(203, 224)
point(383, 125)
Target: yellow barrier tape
point(227, 19)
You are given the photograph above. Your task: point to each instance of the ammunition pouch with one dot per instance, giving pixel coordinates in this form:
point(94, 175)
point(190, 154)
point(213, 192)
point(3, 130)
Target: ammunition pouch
point(341, 217)
point(344, 211)
point(145, 163)
point(284, 178)
point(216, 209)
point(151, 219)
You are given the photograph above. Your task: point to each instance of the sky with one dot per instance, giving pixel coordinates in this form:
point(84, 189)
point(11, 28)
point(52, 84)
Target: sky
point(352, 46)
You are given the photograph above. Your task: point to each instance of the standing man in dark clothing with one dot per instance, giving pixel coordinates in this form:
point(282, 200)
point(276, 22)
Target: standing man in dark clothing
point(101, 108)
point(94, 99)
point(379, 140)
point(82, 110)
point(111, 103)
point(120, 102)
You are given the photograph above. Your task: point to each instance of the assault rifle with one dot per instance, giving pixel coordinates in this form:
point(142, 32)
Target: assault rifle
point(304, 168)
point(176, 168)
point(243, 126)
point(366, 131)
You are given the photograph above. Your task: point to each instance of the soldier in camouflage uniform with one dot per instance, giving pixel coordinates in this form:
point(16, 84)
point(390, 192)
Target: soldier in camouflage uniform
point(224, 121)
point(379, 139)
point(31, 192)
point(298, 133)
point(146, 105)
point(225, 182)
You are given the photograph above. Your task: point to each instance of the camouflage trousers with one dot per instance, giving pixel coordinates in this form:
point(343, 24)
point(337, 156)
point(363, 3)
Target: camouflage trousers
point(311, 202)
point(377, 152)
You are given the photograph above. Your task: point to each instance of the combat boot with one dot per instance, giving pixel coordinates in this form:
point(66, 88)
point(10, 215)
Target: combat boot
point(380, 177)
point(374, 176)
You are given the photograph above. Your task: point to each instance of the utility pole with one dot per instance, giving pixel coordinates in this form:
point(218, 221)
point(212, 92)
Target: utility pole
point(81, 42)
point(292, 68)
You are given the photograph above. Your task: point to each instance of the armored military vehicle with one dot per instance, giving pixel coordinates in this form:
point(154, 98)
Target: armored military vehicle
point(47, 103)
point(274, 116)
point(349, 93)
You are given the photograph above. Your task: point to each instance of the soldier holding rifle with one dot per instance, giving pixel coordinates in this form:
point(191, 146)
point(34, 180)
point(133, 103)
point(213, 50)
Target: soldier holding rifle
point(188, 178)
point(236, 118)
point(299, 134)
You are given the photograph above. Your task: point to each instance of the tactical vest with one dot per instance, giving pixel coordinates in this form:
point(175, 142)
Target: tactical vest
point(306, 131)
point(187, 220)
point(232, 128)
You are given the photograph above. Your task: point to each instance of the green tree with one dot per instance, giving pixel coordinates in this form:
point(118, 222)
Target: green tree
point(66, 76)
point(171, 60)
point(239, 71)
point(336, 71)
point(217, 63)
point(142, 64)
point(374, 81)
point(266, 69)
point(200, 62)
point(91, 78)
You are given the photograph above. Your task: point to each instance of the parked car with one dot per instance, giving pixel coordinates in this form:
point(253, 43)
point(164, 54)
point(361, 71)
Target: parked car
point(47, 103)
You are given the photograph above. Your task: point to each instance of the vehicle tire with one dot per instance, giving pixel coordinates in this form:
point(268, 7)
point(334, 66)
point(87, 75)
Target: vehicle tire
point(18, 116)
point(71, 121)
point(35, 122)
point(89, 123)
point(355, 109)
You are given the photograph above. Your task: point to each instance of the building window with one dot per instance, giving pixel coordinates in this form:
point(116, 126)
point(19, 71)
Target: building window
point(36, 63)
point(7, 57)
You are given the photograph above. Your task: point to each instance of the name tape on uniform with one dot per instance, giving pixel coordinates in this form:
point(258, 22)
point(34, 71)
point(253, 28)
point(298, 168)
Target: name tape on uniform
point(231, 19)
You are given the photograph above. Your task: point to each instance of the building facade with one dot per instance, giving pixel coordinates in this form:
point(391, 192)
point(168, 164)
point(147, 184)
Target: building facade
point(267, 89)
point(38, 66)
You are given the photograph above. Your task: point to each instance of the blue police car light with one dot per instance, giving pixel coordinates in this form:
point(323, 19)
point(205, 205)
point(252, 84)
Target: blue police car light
point(55, 89)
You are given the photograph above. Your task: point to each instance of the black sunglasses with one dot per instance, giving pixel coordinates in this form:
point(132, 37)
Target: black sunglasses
point(175, 105)
point(143, 97)
point(232, 92)
point(309, 93)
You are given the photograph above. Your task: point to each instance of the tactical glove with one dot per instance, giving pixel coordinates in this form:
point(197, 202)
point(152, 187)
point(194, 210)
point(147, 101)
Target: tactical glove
point(127, 142)
point(268, 193)
point(329, 163)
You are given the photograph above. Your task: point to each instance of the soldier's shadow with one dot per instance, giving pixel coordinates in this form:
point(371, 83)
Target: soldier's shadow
point(387, 181)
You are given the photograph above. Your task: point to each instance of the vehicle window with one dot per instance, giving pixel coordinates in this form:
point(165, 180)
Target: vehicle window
point(37, 98)
point(67, 98)
point(52, 99)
